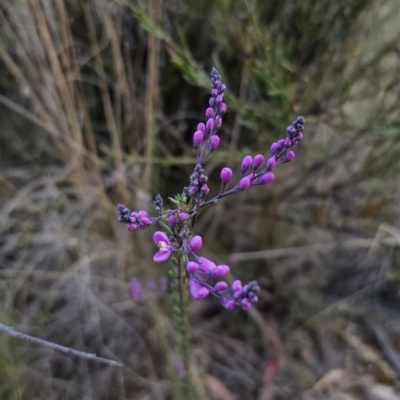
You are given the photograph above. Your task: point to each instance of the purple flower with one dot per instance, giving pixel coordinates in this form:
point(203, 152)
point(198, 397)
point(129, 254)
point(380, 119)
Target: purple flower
point(220, 286)
point(132, 227)
point(210, 124)
point(246, 163)
point(172, 220)
point(258, 160)
point(197, 291)
point(226, 175)
point(267, 178)
point(271, 163)
point(220, 270)
point(244, 183)
point(201, 127)
point(209, 113)
point(164, 247)
point(192, 267)
point(228, 304)
point(136, 290)
point(274, 148)
point(222, 108)
point(214, 142)
point(183, 216)
point(289, 156)
point(205, 265)
point(197, 138)
point(196, 242)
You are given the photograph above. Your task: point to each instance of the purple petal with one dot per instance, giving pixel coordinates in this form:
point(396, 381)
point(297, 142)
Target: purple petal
point(228, 304)
point(161, 256)
point(205, 264)
point(160, 237)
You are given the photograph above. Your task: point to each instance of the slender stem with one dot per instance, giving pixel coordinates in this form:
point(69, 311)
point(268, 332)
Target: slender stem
point(62, 349)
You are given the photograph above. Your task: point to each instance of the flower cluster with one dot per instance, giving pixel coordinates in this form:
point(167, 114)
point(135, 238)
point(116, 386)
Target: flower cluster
point(203, 274)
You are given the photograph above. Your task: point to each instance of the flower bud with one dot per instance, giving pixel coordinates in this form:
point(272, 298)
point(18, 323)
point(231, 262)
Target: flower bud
point(211, 102)
point(132, 227)
point(172, 220)
point(219, 98)
point(291, 130)
point(236, 285)
point(205, 189)
point(271, 163)
point(193, 190)
point(209, 112)
point(274, 147)
point(267, 178)
point(183, 216)
point(226, 175)
point(245, 304)
point(258, 160)
point(299, 136)
point(281, 143)
point(218, 122)
point(197, 138)
point(201, 127)
point(244, 183)
point(288, 142)
point(145, 221)
point(142, 214)
point(228, 304)
point(214, 142)
point(219, 271)
point(214, 92)
point(220, 286)
point(289, 156)
point(246, 163)
point(196, 242)
point(192, 267)
point(210, 124)
point(223, 88)
point(222, 108)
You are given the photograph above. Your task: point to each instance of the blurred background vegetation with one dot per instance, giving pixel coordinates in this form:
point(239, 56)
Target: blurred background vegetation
point(98, 104)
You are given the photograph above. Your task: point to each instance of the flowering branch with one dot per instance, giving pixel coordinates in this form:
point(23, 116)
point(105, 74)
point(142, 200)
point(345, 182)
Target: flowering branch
point(62, 349)
point(178, 223)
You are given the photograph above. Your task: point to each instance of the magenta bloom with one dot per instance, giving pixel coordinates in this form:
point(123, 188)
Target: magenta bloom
point(226, 175)
point(183, 216)
point(228, 304)
point(246, 163)
point(271, 163)
point(201, 127)
point(198, 292)
point(220, 286)
point(192, 267)
point(289, 156)
point(214, 142)
point(267, 178)
point(244, 183)
point(258, 160)
point(198, 138)
point(164, 247)
point(209, 113)
point(172, 220)
point(210, 124)
point(205, 264)
point(219, 271)
point(196, 242)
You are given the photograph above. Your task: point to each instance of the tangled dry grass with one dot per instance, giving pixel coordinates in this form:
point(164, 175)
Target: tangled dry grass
point(98, 103)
